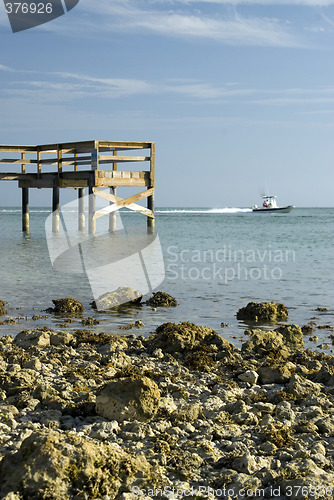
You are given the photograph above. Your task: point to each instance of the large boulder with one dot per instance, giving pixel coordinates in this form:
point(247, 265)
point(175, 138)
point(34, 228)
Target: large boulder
point(263, 312)
point(123, 295)
point(58, 466)
point(128, 399)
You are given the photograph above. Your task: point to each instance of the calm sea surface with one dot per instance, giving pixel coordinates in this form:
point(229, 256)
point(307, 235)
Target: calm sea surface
point(216, 261)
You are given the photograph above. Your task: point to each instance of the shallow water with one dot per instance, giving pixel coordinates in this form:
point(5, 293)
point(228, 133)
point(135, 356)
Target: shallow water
point(216, 261)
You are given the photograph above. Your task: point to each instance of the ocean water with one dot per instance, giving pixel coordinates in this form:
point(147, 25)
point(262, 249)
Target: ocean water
point(216, 260)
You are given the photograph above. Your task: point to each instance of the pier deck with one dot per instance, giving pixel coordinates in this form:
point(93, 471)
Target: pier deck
point(79, 165)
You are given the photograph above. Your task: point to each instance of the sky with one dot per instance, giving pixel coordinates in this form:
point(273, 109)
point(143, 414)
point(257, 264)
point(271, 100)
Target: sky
point(237, 95)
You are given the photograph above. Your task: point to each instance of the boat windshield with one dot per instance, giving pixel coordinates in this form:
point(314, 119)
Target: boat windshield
point(269, 202)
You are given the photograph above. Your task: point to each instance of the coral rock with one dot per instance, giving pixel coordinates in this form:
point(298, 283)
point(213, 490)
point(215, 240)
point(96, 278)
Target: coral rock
point(128, 399)
point(263, 312)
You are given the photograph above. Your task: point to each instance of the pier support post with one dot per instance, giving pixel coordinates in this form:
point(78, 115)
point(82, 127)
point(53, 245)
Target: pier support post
point(150, 221)
point(25, 210)
point(92, 209)
point(81, 209)
point(112, 216)
point(55, 209)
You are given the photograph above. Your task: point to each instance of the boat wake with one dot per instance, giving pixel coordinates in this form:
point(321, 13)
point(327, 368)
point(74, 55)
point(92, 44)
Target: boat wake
point(229, 210)
point(202, 210)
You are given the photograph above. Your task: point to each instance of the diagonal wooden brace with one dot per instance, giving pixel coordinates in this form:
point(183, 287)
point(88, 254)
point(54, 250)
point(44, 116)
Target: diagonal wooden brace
point(120, 202)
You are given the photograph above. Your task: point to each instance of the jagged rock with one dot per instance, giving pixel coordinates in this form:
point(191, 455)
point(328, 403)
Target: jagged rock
point(284, 411)
point(249, 376)
point(19, 381)
point(185, 337)
point(274, 374)
point(128, 399)
point(301, 387)
point(249, 463)
point(276, 343)
point(68, 306)
point(123, 295)
point(263, 312)
point(325, 425)
point(61, 338)
point(53, 465)
point(292, 335)
point(161, 299)
point(266, 343)
point(2, 308)
point(302, 479)
point(30, 338)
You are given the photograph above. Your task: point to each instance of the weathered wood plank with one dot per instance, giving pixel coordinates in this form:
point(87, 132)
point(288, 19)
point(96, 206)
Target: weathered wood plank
point(121, 159)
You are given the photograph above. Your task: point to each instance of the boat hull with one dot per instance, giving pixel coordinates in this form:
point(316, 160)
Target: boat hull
point(282, 210)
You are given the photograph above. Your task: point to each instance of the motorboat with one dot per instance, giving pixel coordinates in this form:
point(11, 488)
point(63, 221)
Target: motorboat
point(269, 205)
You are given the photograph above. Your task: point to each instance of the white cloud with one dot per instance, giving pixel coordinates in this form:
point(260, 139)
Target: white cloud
point(177, 19)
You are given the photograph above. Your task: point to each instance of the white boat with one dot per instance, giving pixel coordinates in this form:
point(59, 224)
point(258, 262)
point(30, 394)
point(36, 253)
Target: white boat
point(269, 205)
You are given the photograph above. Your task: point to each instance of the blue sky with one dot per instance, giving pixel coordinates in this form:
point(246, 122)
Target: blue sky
point(236, 95)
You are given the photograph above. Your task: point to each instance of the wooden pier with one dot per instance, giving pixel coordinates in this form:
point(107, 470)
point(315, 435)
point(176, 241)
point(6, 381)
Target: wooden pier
point(91, 165)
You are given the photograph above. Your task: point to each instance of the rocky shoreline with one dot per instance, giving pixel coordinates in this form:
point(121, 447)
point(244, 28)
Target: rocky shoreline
point(181, 413)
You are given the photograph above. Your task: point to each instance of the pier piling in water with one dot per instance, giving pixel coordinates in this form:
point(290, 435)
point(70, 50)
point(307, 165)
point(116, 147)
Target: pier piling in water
point(81, 209)
point(25, 210)
point(55, 209)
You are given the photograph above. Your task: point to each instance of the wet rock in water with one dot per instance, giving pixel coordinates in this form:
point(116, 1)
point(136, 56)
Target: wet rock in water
point(53, 465)
point(307, 329)
point(2, 308)
point(122, 296)
point(263, 312)
point(161, 299)
point(8, 321)
point(128, 399)
point(129, 326)
point(90, 321)
point(68, 306)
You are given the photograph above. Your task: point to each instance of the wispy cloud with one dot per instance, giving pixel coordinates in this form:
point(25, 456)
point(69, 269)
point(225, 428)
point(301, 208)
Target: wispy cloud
point(58, 87)
point(310, 3)
point(191, 19)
